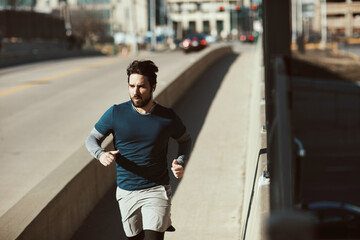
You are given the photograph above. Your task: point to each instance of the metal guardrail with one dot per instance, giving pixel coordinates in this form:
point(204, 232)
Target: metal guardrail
point(261, 151)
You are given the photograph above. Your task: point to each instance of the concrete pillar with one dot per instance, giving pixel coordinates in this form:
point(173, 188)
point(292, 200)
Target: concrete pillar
point(199, 22)
point(213, 22)
point(277, 41)
point(227, 22)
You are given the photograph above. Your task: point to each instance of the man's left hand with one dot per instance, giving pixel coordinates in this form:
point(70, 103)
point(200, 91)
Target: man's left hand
point(177, 169)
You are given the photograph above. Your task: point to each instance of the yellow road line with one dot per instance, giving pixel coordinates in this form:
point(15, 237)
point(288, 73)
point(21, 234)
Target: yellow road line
point(52, 77)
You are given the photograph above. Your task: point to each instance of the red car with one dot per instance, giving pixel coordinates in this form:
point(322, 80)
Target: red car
point(194, 42)
point(247, 37)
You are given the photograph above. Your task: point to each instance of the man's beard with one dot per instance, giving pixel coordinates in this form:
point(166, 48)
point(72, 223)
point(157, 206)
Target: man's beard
point(142, 103)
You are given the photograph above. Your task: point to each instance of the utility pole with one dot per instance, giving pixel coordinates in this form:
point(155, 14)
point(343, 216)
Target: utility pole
point(348, 19)
point(170, 27)
point(323, 24)
point(134, 47)
point(32, 6)
point(65, 14)
point(299, 19)
point(152, 23)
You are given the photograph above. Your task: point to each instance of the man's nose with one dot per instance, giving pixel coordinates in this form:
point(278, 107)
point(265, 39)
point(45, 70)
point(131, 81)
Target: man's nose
point(136, 91)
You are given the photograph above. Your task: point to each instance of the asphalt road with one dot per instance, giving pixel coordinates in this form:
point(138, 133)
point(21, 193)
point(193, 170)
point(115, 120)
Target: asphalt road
point(48, 108)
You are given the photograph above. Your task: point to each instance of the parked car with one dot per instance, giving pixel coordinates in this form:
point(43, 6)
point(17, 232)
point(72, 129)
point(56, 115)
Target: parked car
point(194, 42)
point(247, 37)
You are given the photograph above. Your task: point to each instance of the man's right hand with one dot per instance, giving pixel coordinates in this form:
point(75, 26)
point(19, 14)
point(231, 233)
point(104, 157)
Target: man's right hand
point(108, 158)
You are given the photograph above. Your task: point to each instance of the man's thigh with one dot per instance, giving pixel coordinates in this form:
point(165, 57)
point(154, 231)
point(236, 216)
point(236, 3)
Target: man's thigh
point(156, 209)
point(147, 209)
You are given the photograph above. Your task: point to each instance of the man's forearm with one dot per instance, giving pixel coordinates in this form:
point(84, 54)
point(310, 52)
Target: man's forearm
point(185, 145)
point(93, 143)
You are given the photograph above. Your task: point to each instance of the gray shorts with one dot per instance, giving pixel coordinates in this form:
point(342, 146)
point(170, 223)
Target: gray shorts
point(146, 209)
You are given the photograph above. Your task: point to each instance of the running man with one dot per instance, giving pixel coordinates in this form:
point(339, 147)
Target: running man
point(141, 129)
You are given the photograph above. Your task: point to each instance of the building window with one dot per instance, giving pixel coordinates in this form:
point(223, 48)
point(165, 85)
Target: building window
point(178, 8)
point(103, 14)
point(206, 7)
point(206, 27)
point(198, 6)
point(356, 33)
point(192, 27)
point(108, 28)
point(219, 26)
point(18, 4)
point(332, 16)
point(93, 2)
point(189, 7)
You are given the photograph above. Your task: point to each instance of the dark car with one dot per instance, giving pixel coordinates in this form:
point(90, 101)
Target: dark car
point(247, 37)
point(194, 42)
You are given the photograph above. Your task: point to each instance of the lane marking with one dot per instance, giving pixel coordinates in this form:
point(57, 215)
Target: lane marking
point(53, 77)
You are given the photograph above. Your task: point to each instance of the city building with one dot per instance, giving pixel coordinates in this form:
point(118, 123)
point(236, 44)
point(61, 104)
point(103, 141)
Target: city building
point(220, 18)
point(328, 19)
point(342, 17)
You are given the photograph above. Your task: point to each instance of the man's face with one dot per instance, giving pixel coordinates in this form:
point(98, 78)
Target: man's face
point(140, 90)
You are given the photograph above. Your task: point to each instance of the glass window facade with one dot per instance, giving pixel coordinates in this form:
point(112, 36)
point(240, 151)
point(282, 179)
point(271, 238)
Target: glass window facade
point(19, 4)
point(103, 14)
point(92, 2)
point(206, 27)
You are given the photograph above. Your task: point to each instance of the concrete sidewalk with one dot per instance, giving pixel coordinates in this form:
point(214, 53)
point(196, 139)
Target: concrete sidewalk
point(208, 202)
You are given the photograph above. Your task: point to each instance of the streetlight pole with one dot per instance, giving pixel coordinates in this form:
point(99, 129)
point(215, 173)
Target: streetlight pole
point(323, 24)
point(152, 23)
point(134, 47)
point(299, 19)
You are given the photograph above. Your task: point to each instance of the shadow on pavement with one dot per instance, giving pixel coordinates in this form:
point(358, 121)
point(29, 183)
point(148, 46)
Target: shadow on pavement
point(105, 220)
point(194, 105)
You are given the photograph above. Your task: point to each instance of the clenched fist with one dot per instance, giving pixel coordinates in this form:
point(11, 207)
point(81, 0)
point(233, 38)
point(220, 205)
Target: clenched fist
point(108, 158)
point(177, 169)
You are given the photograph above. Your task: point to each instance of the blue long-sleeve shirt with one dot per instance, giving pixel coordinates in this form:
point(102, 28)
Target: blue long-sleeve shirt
point(142, 140)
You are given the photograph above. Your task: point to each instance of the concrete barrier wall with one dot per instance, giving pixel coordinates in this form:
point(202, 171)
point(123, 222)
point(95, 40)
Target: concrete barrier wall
point(58, 205)
point(173, 91)
point(14, 53)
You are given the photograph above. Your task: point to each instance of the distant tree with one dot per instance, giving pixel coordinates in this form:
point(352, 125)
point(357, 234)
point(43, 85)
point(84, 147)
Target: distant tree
point(87, 25)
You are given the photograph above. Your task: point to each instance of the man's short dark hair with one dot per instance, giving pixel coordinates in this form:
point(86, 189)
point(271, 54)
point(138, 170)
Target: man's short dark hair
point(146, 68)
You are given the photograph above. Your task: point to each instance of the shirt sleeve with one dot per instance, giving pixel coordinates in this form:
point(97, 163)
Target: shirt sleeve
point(178, 128)
point(184, 151)
point(105, 124)
point(93, 143)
